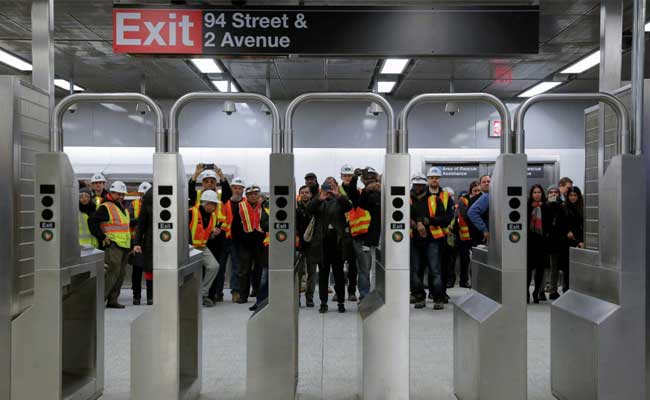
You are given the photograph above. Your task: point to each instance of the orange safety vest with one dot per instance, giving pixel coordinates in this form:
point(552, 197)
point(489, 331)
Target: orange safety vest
point(245, 211)
point(227, 223)
point(436, 231)
point(201, 234)
point(463, 229)
point(359, 221)
point(117, 226)
point(137, 206)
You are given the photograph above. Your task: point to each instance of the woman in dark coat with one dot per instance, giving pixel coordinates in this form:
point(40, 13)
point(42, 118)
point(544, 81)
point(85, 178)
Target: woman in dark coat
point(573, 229)
point(143, 242)
point(329, 208)
point(539, 229)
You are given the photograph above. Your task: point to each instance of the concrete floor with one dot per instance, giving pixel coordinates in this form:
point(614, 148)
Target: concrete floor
point(328, 357)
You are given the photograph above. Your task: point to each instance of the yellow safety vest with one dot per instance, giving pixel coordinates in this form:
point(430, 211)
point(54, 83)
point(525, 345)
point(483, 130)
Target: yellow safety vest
point(200, 234)
point(117, 226)
point(85, 237)
point(137, 206)
point(436, 231)
point(358, 218)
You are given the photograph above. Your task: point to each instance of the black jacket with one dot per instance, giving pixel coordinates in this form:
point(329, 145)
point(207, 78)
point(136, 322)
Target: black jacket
point(330, 211)
point(370, 200)
point(572, 221)
point(99, 216)
point(556, 237)
point(538, 244)
point(144, 230)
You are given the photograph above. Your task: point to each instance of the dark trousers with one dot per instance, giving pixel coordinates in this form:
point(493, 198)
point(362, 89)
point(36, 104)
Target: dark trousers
point(449, 265)
point(332, 260)
point(263, 292)
point(229, 250)
point(427, 254)
point(115, 260)
point(353, 271)
point(251, 260)
point(537, 262)
point(464, 248)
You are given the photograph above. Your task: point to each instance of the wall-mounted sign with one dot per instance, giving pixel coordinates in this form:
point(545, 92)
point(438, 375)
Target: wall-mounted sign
point(536, 171)
point(494, 128)
point(437, 31)
point(459, 171)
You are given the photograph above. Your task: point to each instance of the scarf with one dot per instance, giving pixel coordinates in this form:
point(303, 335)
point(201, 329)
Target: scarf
point(536, 218)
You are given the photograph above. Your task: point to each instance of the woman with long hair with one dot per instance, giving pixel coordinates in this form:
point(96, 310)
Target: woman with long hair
point(573, 229)
point(539, 215)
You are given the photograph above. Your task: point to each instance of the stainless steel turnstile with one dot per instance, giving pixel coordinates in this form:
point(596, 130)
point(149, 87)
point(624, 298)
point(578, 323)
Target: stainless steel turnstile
point(490, 321)
point(598, 326)
point(384, 313)
point(272, 332)
point(58, 342)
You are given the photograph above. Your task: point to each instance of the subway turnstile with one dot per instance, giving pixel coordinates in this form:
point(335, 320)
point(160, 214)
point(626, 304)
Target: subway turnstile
point(58, 342)
point(598, 326)
point(490, 322)
point(384, 322)
point(166, 340)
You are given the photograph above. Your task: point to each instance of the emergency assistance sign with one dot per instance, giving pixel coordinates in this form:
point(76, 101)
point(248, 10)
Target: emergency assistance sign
point(140, 29)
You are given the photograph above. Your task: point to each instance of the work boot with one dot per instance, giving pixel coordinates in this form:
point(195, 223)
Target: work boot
point(420, 304)
point(438, 305)
point(150, 302)
point(115, 305)
point(235, 297)
point(136, 302)
point(310, 303)
point(254, 307)
point(323, 308)
point(341, 307)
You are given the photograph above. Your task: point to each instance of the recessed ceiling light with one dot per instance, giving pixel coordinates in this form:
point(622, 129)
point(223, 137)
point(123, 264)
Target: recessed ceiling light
point(394, 65)
point(385, 86)
point(65, 85)
point(222, 86)
point(586, 63)
point(647, 27)
point(14, 61)
point(206, 65)
point(540, 88)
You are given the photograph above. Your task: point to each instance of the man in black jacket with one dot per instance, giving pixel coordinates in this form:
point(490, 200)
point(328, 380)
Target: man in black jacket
point(143, 242)
point(307, 258)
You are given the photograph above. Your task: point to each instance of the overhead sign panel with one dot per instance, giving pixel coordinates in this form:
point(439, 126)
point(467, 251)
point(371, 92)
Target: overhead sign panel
point(344, 31)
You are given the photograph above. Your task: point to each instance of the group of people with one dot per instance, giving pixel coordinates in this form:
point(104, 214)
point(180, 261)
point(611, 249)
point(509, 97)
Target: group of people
point(338, 225)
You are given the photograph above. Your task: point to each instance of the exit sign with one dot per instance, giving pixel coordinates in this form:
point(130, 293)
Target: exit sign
point(495, 128)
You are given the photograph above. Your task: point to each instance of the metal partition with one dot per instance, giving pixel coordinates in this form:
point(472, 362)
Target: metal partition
point(384, 312)
point(58, 342)
point(490, 321)
point(597, 327)
point(272, 332)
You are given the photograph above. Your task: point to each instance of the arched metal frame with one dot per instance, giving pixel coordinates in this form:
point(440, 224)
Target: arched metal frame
point(392, 137)
point(504, 114)
point(56, 123)
point(278, 140)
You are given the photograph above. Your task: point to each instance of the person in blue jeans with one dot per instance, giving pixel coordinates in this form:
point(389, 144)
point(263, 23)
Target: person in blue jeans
point(427, 238)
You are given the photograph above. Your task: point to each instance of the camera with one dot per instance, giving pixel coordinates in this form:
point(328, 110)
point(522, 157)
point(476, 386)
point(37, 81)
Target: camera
point(452, 108)
point(208, 166)
point(326, 187)
point(72, 108)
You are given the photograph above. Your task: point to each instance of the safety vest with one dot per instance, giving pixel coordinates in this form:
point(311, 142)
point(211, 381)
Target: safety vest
point(201, 234)
point(359, 221)
point(226, 210)
point(117, 226)
point(137, 206)
point(85, 237)
point(267, 238)
point(436, 231)
point(463, 229)
point(245, 212)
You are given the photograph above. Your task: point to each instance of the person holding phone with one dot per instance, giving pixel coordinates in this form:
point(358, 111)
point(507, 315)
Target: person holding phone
point(329, 208)
point(207, 175)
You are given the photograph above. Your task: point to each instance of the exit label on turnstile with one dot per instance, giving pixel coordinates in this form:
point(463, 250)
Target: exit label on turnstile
point(514, 227)
point(281, 225)
point(47, 225)
point(397, 226)
point(165, 225)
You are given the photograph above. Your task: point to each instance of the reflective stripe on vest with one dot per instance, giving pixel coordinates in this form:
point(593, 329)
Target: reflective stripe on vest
point(463, 229)
point(227, 222)
point(245, 210)
point(200, 234)
point(117, 226)
point(85, 237)
point(136, 204)
point(359, 221)
point(436, 231)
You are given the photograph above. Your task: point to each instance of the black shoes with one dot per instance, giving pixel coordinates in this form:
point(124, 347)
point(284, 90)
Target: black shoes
point(150, 302)
point(554, 296)
point(341, 307)
point(420, 304)
point(310, 303)
point(323, 308)
point(465, 285)
point(136, 302)
point(254, 307)
point(352, 297)
point(115, 305)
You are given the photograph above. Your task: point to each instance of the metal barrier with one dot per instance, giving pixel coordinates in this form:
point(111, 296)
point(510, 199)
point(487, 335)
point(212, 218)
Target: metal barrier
point(598, 326)
point(59, 340)
point(490, 322)
point(384, 312)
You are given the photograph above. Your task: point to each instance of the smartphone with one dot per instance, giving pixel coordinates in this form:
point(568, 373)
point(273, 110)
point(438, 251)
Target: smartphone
point(326, 187)
point(208, 166)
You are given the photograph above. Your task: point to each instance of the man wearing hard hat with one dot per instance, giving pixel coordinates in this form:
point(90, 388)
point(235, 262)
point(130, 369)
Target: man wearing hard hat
point(208, 179)
point(97, 184)
point(137, 259)
point(110, 225)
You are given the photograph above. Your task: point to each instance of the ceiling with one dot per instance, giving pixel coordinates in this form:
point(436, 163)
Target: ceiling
point(83, 49)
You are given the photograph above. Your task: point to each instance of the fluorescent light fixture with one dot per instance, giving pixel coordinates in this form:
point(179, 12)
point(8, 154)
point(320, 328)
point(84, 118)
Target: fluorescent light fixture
point(14, 62)
point(385, 86)
point(206, 65)
point(540, 88)
point(65, 85)
point(394, 65)
point(586, 63)
point(113, 107)
point(222, 86)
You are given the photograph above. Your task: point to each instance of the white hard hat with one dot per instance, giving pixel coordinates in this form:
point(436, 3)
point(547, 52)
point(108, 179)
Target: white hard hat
point(237, 182)
point(418, 179)
point(118, 187)
point(371, 170)
point(347, 170)
point(209, 196)
point(144, 187)
point(434, 171)
point(253, 188)
point(208, 173)
point(98, 177)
